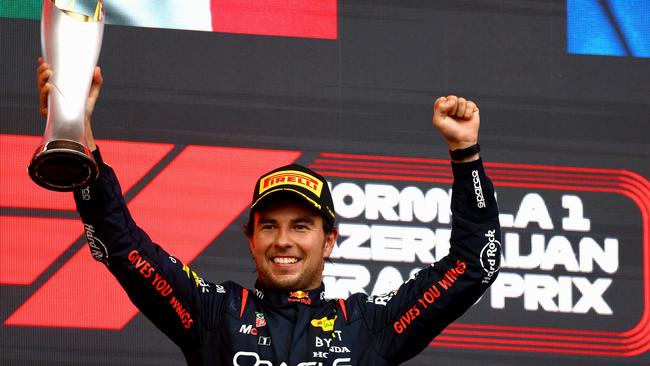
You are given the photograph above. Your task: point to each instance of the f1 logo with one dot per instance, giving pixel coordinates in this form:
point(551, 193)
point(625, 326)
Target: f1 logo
point(81, 293)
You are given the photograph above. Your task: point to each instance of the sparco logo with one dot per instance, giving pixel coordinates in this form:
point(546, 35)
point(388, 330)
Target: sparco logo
point(97, 248)
point(478, 191)
point(247, 359)
point(489, 256)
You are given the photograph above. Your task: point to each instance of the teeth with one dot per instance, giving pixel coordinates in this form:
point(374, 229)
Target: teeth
point(285, 260)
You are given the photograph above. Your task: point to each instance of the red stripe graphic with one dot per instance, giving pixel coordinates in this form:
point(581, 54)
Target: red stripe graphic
point(29, 245)
point(632, 342)
point(293, 18)
point(81, 294)
point(19, 191)
point(184, 208)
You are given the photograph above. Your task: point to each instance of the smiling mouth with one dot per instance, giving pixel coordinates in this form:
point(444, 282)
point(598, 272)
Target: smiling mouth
point(285, 260)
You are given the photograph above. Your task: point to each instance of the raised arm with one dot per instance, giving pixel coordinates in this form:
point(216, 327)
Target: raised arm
point(404, 322)
point(171, 295)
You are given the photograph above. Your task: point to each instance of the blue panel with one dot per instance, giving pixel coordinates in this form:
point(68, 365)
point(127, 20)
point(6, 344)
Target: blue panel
point(589, 31)
point(633, 17)
point(625, 31)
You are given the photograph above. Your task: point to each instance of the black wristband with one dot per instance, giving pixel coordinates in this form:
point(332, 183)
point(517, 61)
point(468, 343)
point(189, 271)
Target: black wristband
point(460, 154)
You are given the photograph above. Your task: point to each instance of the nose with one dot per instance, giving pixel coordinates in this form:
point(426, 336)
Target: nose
point(283, 240)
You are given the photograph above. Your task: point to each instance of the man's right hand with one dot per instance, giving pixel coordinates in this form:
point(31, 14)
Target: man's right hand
point(43, 75)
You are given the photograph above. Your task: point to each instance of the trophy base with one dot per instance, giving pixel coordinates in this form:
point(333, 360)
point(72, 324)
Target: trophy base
point(63, 166)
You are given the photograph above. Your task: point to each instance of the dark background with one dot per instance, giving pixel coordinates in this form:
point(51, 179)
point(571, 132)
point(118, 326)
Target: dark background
point(370, 91)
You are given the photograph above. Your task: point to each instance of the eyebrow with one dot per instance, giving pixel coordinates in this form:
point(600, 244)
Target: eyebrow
point(304, 219)
point(298, 220)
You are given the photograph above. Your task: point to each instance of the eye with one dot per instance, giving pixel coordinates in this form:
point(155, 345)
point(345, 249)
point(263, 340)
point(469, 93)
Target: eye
point(301, 227)
point(267, 227)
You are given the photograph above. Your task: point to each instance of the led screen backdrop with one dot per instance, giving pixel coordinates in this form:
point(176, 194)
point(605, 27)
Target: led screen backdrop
point(201, 99)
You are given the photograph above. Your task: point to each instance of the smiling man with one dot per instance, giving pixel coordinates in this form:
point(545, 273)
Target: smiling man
point(286, 320)
point(291, 228)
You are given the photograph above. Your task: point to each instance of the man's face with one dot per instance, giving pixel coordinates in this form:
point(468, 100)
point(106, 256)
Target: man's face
point(289, 246)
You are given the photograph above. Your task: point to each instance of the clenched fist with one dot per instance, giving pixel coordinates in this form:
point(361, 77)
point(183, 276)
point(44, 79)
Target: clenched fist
point(458, 121)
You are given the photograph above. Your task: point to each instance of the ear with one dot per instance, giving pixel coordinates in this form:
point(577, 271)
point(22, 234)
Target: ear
point(330, 240)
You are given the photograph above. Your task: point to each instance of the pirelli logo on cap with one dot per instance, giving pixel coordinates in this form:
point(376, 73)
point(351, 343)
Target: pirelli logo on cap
point(291, 177)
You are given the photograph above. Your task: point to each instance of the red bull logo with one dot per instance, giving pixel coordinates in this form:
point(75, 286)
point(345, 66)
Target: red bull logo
point(299, 296)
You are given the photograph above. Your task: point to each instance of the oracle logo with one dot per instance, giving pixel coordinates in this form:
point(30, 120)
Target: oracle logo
point(250, 356)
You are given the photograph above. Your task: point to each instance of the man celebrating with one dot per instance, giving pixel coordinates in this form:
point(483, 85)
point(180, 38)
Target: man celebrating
point(285, 319)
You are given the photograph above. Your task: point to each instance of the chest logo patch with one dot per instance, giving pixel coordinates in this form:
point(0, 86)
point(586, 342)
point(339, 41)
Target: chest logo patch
point(300, 296)
point(326, 324)
point(259, 320)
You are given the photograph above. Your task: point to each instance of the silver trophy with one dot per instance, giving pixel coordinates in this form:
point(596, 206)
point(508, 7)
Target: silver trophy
point(71, 42)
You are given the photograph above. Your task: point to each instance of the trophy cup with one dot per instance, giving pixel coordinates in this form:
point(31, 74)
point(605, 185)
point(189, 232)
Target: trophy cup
point(70, 42)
